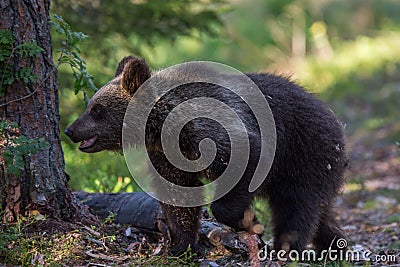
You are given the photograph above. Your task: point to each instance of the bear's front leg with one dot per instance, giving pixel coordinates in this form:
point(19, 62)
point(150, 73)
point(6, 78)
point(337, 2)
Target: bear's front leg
point(183, 224)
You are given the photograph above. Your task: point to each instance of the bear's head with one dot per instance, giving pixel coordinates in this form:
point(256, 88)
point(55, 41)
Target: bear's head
point(100, 126)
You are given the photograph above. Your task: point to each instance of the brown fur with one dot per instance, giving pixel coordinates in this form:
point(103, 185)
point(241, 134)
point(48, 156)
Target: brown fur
point(305, 177)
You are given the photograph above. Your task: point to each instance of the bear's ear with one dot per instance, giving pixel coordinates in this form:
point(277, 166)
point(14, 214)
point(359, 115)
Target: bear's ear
point(122, 63)
point(135, 71)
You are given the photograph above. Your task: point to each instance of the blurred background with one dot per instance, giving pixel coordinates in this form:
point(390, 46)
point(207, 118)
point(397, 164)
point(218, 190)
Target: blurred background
point(348, 52)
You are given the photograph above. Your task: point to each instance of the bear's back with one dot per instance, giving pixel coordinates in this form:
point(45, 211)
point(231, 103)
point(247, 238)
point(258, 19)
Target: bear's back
point(310, 139)
point(309, 143)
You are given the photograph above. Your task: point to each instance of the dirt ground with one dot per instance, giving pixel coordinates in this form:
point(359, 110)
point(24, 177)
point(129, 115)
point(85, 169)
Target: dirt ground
point(369, 208)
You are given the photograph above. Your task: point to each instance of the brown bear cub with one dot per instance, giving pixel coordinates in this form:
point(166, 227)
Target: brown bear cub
point(305, 177)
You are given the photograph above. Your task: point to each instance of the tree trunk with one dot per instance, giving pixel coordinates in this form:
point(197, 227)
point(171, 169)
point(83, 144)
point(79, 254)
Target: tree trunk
point(42, 185)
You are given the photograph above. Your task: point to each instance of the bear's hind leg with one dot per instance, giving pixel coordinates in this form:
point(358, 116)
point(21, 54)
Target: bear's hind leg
point(294, 222)
point(328, 234)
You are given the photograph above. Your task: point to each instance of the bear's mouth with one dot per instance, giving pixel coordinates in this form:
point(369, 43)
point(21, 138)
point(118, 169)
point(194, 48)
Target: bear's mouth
point(88, 143)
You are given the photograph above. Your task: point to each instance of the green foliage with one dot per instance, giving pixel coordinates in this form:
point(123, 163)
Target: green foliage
point(361, 81)
point(116, 28)
point(8, 52)
point(123, 27)
point(147, 20)
point(15, 146)
point(15, 247)
point(100, 172)
point(370, 57)
point(70, 55)
point(6, 44)
point(7, 236)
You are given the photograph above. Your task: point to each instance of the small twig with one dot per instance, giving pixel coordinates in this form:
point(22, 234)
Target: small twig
point(18, 99)
point(93, 232)
point(105, 257)
point(95, 240)
point(24, 97)
point(98, 264)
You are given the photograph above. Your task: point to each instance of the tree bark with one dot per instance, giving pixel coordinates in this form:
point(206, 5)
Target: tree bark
point(43, 184)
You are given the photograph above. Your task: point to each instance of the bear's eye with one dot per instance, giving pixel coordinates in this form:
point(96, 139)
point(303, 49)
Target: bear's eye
point(97, 111)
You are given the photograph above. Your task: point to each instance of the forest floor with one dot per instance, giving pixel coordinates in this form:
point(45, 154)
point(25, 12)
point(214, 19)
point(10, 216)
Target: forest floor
point(368, 210)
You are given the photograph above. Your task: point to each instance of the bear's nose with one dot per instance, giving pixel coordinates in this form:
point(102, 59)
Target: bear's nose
point(68, 132)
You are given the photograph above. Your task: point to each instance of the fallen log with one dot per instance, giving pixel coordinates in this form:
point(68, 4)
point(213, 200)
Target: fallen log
point(135, 209)
point(143, 212)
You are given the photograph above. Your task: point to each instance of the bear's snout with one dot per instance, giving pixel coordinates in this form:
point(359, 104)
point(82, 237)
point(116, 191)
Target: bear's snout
point(72, 134)
point(68, 132)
